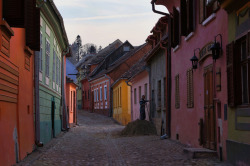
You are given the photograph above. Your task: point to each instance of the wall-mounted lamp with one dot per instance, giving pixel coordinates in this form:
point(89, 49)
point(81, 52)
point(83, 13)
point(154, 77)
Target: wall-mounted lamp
point(216, 47)
point(194, 60)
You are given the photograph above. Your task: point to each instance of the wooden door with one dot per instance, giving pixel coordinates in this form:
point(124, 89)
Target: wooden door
point(209, 114)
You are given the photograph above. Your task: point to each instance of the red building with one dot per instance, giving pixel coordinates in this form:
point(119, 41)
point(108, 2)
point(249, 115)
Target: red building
point(17, 45)
point(199, 94)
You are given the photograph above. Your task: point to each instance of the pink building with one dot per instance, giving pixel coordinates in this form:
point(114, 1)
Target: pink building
point(140, 86)
point(198, 96)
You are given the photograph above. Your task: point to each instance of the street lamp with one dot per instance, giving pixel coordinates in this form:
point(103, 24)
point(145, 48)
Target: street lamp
point(194, 60)
point(216, 47)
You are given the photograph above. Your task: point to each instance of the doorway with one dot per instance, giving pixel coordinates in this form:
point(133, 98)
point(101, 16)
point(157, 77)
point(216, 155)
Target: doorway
point(209, 111)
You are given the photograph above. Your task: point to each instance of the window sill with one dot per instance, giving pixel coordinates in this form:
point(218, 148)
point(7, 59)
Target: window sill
point(176, 48)
point(209, 19)
point(189, 36)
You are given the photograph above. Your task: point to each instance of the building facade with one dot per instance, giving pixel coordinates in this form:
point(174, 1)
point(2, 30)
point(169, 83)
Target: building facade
point(238, 52)
point(71, 102)
point(17, 45)
point(53, 48)
point(198, 94)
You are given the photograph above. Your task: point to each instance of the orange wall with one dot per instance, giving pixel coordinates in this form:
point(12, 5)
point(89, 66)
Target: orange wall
point(70, 89)
point(16, 97)
point(25, 92)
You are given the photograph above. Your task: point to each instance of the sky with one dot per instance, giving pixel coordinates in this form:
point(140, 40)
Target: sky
point(103, 21)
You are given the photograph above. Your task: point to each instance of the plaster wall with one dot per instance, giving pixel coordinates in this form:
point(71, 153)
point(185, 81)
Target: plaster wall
point(184, 121)
point(140, 80)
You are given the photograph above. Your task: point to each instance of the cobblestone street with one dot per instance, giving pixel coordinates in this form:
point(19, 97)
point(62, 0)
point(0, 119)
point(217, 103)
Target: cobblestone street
point(96, 142)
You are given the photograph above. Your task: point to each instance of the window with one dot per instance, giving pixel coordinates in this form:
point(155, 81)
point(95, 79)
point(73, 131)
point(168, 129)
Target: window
point(177, 92)
point(88, 94)
point(190, 89)
point(100, 93)
point(41, 53)
point(146, 91)
point(159, 93)
point(207, 8)
point(57, 70)
point(54, 66)
point(135, 101)
point(238, 69)
point(139, 93)
point(97, 95)
point(47, 30)
point(187, 17)
point(105, 92)
point(94, 96)
point(47, 58)
point(120, 96)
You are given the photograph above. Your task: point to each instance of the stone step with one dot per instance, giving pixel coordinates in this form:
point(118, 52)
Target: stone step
point(199, 153)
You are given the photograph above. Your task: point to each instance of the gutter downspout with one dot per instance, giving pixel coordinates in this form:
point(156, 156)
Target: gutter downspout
point(37, 109)
point(110, 105)
point(63, 102)
point(127, 82)
point(155, 11)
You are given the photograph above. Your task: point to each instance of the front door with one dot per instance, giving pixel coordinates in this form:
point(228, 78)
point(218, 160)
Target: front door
point(209, 114)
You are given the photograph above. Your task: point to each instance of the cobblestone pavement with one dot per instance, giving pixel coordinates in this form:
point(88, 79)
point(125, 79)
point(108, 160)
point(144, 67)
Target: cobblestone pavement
point(95, 142)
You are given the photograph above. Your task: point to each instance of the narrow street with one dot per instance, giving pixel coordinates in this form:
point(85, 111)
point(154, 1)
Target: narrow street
point(96, 142)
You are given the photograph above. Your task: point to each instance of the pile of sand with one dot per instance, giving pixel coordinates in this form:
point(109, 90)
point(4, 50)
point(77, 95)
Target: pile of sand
point(139, 127)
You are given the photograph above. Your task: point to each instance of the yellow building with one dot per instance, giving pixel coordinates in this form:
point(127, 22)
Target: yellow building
point(122, 102)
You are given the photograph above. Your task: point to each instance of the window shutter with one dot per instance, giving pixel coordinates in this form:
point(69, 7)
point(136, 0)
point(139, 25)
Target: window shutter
point(177, 92)
point(202, 10)
point(248, 53)
point(13, 12)
point(183, 18)
point(234, 86)
point(190, 16)
point(176, 27)
point(32, 25)
point(190, 96)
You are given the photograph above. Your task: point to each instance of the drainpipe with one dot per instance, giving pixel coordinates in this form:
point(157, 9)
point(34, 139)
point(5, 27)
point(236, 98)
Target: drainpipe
point(63, 106)
point(156, 11)
point(127, 82)
point(37, 109)
point(110, 95)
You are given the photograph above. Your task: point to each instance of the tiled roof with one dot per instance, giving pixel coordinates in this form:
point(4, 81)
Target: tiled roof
point(104, 52)
point(135, 69)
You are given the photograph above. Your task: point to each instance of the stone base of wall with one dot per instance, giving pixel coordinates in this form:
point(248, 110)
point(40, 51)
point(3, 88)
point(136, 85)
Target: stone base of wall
point(238, 153)
point(71, 125)
point(104, 112)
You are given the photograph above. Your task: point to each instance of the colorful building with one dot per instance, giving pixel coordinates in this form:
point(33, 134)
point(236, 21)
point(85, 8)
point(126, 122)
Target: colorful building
point(198, 94)
point(157, 62)
point(138, 78)
point(121, 102)
point(86, 67)
point(100, 82)
point(17, 45)
point(238, 69)
point(71, 101)
point(50, 95)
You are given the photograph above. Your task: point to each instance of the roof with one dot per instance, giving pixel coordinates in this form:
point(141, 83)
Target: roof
point(135, 69)
point(104, 52)
point(85, 59)
point(106, 62)
point(70, 69)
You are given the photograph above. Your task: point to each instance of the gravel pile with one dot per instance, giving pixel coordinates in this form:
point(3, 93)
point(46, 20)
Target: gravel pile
point(139, 127)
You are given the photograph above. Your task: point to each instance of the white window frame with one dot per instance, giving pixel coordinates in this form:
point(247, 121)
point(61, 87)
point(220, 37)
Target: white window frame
point(105, 92)
point(97, 95)
point(100, 93)
point(47, 29)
